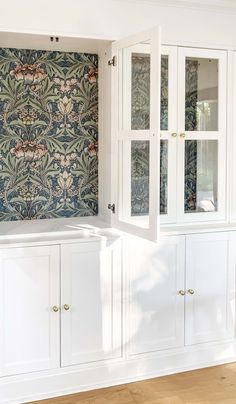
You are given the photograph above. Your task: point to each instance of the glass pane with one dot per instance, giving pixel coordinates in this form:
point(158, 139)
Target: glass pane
point(139, 178)
point(164, 92)
point(140, 92)
point(201, 175)
point(201, 94)
point(163, 176)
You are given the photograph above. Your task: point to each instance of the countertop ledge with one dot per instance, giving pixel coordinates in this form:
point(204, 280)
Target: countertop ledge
point(197, 228)
point(54, 231)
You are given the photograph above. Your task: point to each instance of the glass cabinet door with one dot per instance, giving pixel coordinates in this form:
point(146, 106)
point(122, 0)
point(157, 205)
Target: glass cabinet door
point(136, 126)
point(140, 121)
point(202, 134)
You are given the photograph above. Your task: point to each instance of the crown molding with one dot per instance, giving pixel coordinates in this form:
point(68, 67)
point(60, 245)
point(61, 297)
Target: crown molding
point(223, 6)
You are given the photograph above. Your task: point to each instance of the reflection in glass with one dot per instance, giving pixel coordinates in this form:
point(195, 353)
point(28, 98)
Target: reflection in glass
point(164, 92)
point(139, 178)
point(201, 175)
point(201, 94)
point(163, 176)
point(140, 92)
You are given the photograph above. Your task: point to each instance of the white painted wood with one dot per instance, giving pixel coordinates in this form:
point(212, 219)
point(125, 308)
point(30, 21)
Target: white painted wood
point(104, 130)
point(91, 286)
point(154, 309)
point(29, 288)
point(210, 273)
point(28, 388)
point(232, 154)
point(219, 135)
point(122, 134)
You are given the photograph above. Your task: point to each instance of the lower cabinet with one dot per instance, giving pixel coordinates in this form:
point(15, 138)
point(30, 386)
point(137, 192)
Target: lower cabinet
point(61, 305)
point(39, 307)
point(29, 290)
point(154, 305)
point(210, 287)
point(91, 303)
point(180, 292)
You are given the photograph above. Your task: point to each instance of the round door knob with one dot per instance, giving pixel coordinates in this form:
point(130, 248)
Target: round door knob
point(55, 308)
point(181, 292)
point(66, 307)
point(174, 134)
point(182, 135)
point(191, 291)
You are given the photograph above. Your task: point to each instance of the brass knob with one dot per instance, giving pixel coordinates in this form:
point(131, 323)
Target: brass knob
point(66, 307)
point(190, 291)
point(182, 135)
point(181, 292)
point(55, 308)
point(174, 134)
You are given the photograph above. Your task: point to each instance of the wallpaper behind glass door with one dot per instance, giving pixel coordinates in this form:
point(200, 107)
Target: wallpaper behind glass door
point(48, 134)
point(140, 119)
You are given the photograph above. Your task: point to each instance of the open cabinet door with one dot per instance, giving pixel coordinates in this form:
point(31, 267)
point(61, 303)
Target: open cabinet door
point(135, 134)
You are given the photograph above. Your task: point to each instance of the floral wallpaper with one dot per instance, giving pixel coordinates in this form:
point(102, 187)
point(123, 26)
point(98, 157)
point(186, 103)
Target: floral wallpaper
point(140, 95)
point(191, 93)
point(139, 178)
point(140, 120)
point(191, 97)
point(48, 134)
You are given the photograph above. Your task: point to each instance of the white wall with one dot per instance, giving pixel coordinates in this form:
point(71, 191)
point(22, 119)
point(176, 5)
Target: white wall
point(114, 19)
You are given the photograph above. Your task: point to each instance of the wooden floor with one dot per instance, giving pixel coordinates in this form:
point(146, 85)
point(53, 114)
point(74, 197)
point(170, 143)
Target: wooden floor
point(212, 385)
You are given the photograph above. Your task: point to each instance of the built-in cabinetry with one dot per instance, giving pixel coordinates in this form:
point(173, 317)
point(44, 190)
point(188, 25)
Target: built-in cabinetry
point(181, 292)
point(192, 149)
point(90, 302)
point(78, 315)
point(29, 304)
point(193, 134)
point(54, 314)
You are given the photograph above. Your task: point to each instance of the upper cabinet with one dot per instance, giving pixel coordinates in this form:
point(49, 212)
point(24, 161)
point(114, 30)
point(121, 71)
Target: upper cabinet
point(168, 135)
point(193, 134)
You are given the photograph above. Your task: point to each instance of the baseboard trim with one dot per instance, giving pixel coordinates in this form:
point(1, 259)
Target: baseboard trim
point(42, 385)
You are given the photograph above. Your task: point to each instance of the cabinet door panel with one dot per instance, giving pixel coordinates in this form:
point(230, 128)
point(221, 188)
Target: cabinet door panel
point(155, 310)
point(29, 288)
point(91, 286)
point(210, 274)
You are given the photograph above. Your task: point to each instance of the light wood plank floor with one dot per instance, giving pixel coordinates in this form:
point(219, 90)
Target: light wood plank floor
point(206, 386)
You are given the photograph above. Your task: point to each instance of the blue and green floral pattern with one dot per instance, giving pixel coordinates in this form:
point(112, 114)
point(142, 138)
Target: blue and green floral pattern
point(48, 134)
point(140, 120)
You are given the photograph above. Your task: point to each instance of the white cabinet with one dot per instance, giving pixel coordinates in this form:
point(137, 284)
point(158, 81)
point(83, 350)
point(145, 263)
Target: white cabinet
point(155, 309)
point(180, 295)
point(30, 329)
point(210, 277)
point(91, 302)
point(43, 318)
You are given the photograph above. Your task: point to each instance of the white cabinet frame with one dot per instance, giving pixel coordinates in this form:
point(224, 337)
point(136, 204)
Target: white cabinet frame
point(169, 135)
point(220, 135)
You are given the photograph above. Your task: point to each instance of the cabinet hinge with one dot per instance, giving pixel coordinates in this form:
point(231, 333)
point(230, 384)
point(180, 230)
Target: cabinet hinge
point(112, 62)
point(112, 207)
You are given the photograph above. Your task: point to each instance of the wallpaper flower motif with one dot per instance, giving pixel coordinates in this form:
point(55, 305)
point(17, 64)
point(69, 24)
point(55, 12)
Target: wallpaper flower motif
point(140, 120)
point(48, 134)
point(191, 97)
